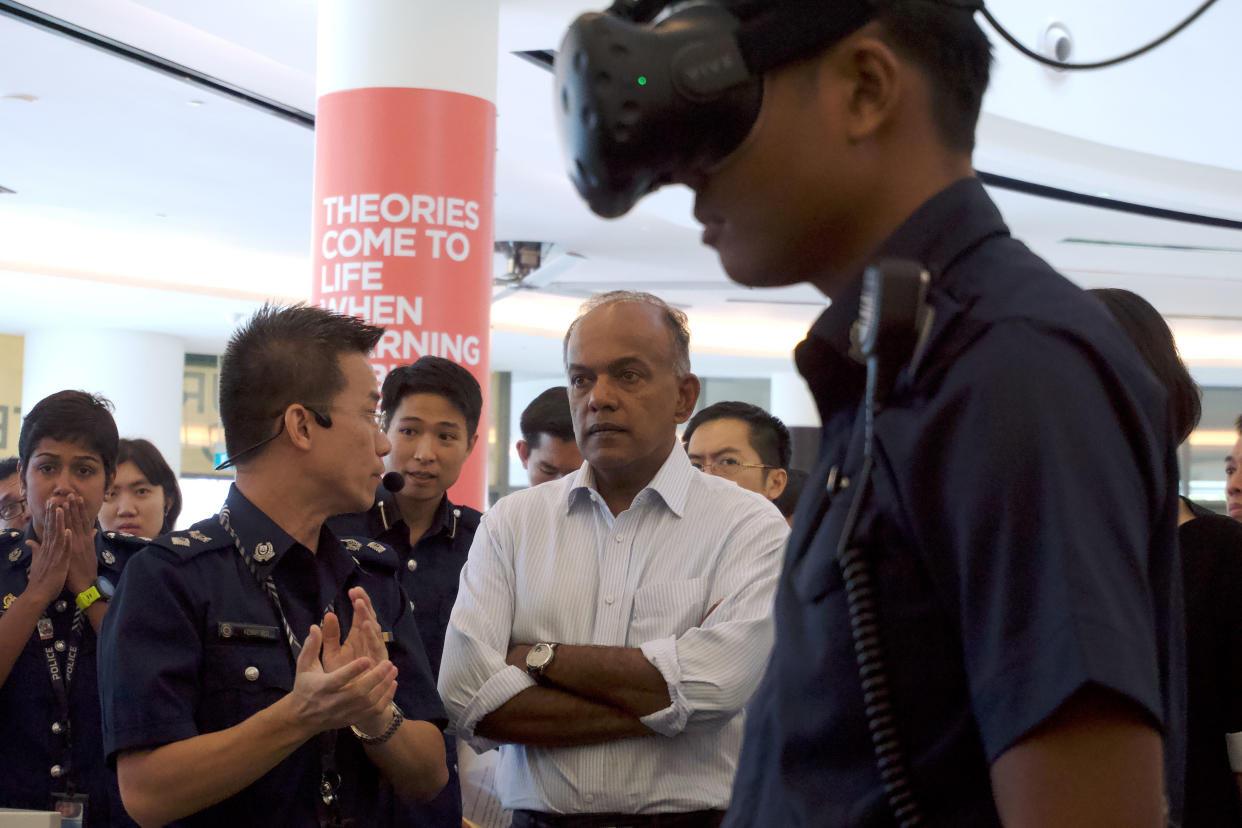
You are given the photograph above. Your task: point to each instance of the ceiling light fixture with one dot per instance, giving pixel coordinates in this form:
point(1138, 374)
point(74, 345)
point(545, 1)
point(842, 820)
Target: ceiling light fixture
point(20, 96)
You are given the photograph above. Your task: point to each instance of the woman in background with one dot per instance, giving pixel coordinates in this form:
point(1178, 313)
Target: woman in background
point(1211, 547)
point(144, 499)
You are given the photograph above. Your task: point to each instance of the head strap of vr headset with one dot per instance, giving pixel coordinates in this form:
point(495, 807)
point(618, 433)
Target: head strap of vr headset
point(772, 33)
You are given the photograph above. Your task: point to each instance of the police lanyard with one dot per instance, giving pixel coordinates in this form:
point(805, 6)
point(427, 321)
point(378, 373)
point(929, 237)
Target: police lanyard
point(329, 804)
point(61, 680)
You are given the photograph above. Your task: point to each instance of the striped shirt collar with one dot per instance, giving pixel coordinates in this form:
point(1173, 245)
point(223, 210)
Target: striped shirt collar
point(672, 482)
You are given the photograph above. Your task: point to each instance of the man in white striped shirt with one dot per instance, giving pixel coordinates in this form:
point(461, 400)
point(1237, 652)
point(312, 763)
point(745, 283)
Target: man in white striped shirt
point(611, 626)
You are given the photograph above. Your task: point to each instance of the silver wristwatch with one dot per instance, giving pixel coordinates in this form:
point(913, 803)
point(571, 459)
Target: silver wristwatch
point(397, 718)
point(539, 657)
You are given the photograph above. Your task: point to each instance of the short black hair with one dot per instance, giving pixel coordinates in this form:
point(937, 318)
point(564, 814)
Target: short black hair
point(434, 375)
point(71, 416)
point(282, 355)
point(1150, 334)
point(787, 500)
point(768, 435)
point(144, 455)
point(9, 466)
point(955, 56)
point(548, 414)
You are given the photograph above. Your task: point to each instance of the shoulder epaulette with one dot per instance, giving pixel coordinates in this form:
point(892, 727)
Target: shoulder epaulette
point(126, 540)
point(11, 546)
point(203, 536)
point(370, 554)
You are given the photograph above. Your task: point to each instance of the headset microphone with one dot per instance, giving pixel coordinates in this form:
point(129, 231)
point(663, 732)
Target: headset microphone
point(393, 481)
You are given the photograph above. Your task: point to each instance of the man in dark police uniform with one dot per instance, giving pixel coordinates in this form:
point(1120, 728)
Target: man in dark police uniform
point(258, 669)
point(56, 577)
point(1020, 520)
point(430, 411)
point(1012, 563)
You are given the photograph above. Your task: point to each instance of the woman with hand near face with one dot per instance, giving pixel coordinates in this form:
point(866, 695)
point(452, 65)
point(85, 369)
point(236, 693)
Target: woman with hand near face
point(144, 499)
point(55, 578)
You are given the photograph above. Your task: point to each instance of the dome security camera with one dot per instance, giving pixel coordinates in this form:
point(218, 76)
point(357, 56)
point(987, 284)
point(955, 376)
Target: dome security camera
point(1057, 43)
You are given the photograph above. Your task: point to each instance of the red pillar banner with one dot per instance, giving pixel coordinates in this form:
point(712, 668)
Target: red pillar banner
point(404, 182)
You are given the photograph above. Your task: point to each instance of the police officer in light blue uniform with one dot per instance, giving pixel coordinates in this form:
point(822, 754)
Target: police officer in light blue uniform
point(56, 577)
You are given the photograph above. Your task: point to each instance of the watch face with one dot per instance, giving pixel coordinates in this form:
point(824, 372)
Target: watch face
point(105, 587)
point(538, 657)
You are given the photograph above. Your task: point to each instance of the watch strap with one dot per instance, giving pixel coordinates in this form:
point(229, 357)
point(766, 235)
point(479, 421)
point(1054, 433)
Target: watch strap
point(397, 718)
point(87, 597)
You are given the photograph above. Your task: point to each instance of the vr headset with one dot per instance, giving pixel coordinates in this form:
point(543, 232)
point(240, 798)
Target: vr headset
point(650, 90)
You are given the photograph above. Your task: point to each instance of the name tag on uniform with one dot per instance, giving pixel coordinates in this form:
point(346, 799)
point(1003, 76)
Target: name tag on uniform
point(45, 628)
point(243, 633)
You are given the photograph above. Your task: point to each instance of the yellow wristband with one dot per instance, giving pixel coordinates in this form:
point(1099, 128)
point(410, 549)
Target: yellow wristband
point(87, 597)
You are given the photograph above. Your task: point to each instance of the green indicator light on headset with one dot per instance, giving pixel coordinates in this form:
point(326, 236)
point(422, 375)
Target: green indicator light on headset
point(642, 80)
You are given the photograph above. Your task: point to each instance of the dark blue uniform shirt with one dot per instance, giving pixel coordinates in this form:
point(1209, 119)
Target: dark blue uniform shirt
point(33, 736)
point(176, 660)
point(1021, 527)
point(430, 571)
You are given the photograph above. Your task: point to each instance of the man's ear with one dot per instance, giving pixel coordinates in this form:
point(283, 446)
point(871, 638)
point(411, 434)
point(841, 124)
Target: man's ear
point(298, 426)
point(474, 438)
point(523, 451)
point(687, 396)
point(775, 484)
point(873, 78)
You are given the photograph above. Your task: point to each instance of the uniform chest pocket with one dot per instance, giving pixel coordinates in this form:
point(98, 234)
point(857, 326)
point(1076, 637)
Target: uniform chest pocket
point(666, 609)
point(240, 679)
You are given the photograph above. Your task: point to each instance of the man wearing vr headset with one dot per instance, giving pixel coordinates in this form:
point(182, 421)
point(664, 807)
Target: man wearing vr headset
point(1018, 518)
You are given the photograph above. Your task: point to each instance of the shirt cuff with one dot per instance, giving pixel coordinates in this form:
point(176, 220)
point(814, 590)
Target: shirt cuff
point(662, 653)
point(497, 690)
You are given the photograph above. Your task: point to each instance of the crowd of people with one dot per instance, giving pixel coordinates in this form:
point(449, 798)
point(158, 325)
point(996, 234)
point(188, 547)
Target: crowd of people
point(993, 606)
point(329, 637)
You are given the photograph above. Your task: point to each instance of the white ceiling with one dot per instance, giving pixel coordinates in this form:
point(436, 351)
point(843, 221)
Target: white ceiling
point(138, 208)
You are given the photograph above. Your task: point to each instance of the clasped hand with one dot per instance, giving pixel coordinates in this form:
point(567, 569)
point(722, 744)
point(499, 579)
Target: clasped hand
point(350, 682)
point(65, 554)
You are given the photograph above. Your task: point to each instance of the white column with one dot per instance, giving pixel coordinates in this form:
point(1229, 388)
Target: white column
point(792, 402)
point(141, 373)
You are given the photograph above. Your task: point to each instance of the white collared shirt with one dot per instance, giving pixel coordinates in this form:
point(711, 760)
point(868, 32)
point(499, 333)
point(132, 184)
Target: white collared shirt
point(551, 563)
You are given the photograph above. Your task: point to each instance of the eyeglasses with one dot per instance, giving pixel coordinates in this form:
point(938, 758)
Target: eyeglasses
point(728, 467)
point(322, 419)
point(376, 417)
point(11, 510)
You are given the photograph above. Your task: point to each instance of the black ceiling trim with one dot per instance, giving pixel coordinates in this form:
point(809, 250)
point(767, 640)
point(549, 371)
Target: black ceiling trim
point(154, 62)
point(543, 58)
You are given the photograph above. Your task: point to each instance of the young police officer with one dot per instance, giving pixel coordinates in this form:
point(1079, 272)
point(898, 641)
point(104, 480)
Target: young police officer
point(431, 413)
point(55, 578)
point(993, 550)
point(258, 669)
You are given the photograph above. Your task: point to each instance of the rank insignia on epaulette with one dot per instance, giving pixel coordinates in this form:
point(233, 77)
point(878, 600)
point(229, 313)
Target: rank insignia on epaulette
point(108, 557)
point(264, 552)
point(352, 545)
point(15, 554)
point(199, 536)
point(374, 546)
point(9, 599)
point(178, 541)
